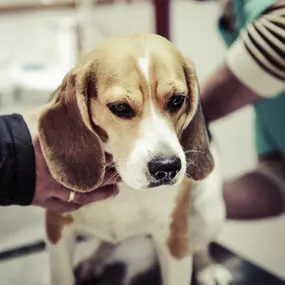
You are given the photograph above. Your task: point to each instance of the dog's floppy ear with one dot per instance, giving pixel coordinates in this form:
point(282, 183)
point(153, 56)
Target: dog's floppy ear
point(72, 149)
point(194, 138)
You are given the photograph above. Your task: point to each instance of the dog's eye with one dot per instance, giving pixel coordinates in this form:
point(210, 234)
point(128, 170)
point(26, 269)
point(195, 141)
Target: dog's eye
point(175, 103)
point(121, 110)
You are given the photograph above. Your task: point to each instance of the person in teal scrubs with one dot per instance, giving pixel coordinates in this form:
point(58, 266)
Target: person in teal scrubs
point(253, 73)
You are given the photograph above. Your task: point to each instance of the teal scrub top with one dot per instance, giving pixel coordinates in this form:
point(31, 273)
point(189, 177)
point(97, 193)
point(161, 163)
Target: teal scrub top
point(270, 113)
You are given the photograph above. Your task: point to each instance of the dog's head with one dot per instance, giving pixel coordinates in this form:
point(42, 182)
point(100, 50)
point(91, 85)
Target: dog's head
point(137, 98)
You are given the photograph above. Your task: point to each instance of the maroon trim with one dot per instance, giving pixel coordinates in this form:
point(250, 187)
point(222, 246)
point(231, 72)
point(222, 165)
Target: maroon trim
point(162, 17)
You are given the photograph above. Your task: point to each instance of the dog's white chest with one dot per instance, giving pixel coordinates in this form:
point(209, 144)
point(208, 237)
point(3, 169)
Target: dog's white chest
point(130, 213)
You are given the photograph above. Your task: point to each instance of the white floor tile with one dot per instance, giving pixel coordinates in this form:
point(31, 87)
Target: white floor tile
point(30, 270)
point(20, 226)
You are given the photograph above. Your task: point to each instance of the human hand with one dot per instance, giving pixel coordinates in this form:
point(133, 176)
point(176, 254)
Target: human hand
point(53, 196)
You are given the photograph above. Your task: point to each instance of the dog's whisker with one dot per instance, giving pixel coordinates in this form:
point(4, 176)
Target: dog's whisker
point(117, 177)
point(193, 150)
point(190, 162)
point(189, 174)
point(113, 177)
point(189, 159)
point(110, 164)
point(107, 169)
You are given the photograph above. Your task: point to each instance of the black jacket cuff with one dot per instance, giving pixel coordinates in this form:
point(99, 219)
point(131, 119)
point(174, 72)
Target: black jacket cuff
point(17, 162)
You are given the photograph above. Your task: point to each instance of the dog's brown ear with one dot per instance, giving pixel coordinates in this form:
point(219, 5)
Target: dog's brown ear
point(194, 138)
point(72, 149)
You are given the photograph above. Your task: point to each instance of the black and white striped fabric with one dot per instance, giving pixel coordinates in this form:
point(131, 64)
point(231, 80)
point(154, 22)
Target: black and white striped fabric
point(257, 57)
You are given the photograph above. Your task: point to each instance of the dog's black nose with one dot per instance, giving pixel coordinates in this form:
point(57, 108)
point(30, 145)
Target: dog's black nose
point(164, 168)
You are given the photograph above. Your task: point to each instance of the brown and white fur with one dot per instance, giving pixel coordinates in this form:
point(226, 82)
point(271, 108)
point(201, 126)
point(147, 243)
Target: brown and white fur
point(185, 212)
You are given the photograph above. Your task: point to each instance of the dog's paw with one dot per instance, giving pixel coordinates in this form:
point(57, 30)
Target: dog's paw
point(85, 274)
point(214, 274)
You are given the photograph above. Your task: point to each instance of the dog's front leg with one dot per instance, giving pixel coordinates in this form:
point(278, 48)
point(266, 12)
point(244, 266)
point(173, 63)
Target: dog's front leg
point(60, 242)
point(174, 271)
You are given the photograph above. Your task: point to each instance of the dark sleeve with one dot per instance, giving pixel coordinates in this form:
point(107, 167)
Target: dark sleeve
point(17, 162)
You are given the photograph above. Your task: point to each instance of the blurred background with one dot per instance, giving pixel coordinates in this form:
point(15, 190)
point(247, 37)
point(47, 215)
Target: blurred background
point(40, 40)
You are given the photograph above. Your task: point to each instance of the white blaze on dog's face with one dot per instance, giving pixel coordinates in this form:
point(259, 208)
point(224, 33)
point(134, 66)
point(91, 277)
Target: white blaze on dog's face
point(142, 105)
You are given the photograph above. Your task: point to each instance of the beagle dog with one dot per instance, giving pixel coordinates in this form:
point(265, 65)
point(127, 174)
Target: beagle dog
point(135, 97)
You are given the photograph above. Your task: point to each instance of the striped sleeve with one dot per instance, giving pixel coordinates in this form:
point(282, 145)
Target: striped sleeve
point(257, 58)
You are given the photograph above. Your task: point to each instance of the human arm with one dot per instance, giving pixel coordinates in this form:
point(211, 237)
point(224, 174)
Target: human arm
point(254, 67)
point(25, 178)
